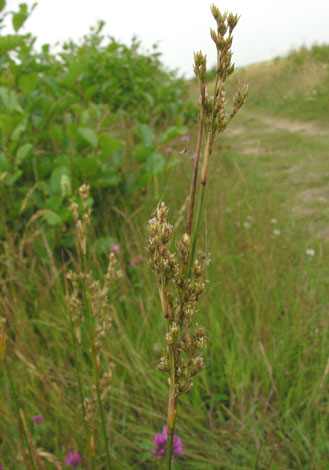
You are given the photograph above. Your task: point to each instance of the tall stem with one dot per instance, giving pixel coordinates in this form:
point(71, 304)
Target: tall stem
point(95, 365)
point(172, 409)
point(196, 165)
point(81, 394)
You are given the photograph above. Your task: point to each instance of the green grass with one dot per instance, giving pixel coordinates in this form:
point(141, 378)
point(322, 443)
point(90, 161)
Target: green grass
point(295, 86)
point(262, 401)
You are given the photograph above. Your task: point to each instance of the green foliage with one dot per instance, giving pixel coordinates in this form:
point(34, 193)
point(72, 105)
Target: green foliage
point(74, 117)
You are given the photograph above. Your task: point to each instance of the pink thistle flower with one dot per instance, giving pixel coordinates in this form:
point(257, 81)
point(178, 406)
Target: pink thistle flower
point(73, 459)
point(169, 150)
point(115, 248)
point(37, 419)
point(185, 138)
point(160, 441)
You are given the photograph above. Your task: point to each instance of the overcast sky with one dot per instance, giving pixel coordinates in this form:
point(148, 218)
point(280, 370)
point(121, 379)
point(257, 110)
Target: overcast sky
point(267, 28)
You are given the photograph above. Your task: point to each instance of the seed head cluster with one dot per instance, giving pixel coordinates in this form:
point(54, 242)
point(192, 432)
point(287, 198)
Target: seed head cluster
point(89, 305)
point(217, 117)
point(179, 299)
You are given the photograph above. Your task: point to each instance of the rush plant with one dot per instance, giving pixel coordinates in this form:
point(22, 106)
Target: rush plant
point(178, 274)
point(90, 320)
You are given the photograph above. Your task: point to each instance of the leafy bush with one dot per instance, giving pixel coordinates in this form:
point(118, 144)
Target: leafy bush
point(76, 116)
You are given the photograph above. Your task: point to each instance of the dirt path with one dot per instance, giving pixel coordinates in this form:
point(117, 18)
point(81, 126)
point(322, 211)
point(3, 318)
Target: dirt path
point(308, 127)
point(272, 122)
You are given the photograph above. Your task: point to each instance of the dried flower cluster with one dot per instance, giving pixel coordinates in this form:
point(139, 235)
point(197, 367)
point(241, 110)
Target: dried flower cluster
point(89, 308)
point(213, 108)
point(179, 298)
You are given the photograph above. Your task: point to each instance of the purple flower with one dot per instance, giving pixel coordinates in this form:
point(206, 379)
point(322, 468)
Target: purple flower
point(114, 248)
point(138, 259)
point(1, 467)
point(73, 459)
point(185, 138)
point(160, 441)
point(37, 419)
point(169, 150)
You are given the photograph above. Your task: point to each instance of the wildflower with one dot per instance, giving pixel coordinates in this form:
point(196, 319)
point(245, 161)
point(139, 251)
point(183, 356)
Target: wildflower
point(193, 156)
point(160, 441)
point(185, 138)
point(247, 224)
point(310, 252)
point(37, 419)
point(276, 232)
point(1, 467)
point(169, 150)
point(73, 459)
point(115, 248)
point(138, 259)
point(273, 221)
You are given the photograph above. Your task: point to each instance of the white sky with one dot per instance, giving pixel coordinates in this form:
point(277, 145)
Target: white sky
point(267, 28)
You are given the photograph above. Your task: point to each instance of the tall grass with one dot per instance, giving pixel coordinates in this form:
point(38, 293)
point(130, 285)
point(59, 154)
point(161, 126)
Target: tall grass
point(261, 401)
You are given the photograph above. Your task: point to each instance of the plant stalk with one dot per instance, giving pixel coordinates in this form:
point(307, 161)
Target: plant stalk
point(95, 368)
point(196, 165)
point(172, 410)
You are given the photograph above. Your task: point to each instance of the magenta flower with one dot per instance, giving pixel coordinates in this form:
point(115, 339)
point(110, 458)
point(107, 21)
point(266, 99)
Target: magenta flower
point(160, 441)
point(1, 467)
point(185, 138)
point(37, 419)
point(169, 150)
point(114, 248)
point(73, 459)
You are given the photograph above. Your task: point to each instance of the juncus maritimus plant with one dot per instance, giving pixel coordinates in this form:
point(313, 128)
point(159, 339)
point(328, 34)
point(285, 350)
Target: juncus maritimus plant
point(178, 274)
point(88, 307)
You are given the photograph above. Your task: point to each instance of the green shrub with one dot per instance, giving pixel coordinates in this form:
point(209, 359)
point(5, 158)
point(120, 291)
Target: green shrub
point(74, 117)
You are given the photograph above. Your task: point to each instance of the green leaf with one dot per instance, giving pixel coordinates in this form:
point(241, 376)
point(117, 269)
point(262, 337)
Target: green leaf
point(89, 135)
point(74, 70)
point(88, 166)
point(10, 43)
point(141, 153)
point(28, 83)
point(22, 153)
point(155, 163)
point(56, 178)
point(52, 218)
point(19, 18)
point(109, 146)
point(13, 178)
point(145, 134)
point(109, 181)
point(172, 132)
point(18, 130)
point(103, 245)
point(117, 158)
point(2, 4)
point(88, 94)
point(4, 163)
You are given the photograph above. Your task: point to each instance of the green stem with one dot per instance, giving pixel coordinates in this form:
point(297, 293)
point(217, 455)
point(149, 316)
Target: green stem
point(172, 409)
point(195, 233)
point(17, 408)
point(95, 367)
point(81, 395)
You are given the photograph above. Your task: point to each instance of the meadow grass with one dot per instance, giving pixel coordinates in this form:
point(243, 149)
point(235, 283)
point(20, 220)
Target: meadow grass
point(262, 400)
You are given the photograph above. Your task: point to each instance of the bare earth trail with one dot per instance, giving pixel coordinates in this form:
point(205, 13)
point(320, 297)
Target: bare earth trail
point(279, 123)
point(298, 165)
